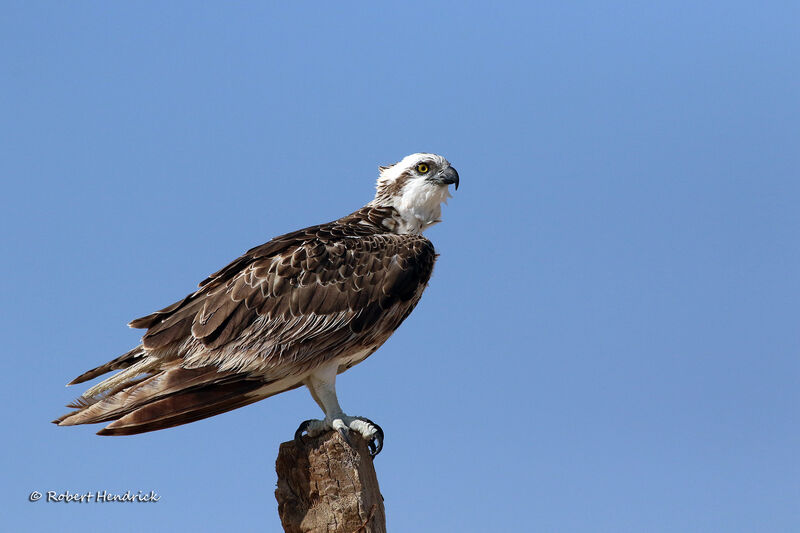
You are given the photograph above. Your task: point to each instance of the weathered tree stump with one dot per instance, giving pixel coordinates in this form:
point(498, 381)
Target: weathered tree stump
point(328, 486)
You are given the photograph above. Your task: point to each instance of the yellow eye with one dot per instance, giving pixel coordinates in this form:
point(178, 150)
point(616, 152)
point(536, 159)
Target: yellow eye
point(422, 168)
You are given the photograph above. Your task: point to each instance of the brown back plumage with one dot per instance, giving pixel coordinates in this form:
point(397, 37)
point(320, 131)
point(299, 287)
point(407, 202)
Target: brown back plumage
point(255, 327)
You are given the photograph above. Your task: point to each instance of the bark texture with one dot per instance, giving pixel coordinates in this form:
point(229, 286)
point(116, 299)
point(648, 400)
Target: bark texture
point(328, 486)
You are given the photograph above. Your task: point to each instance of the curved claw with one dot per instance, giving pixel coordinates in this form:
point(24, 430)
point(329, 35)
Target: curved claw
point(375, 444)
point(298, 435)
point(345, 435)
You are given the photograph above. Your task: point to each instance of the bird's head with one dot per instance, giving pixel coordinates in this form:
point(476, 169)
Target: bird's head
point(416, 187)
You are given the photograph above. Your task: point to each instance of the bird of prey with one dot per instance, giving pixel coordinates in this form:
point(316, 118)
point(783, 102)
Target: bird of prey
point(298, 310)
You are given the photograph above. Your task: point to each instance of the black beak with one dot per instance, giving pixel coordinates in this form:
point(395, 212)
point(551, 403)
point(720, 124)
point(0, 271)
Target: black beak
point(448, 176)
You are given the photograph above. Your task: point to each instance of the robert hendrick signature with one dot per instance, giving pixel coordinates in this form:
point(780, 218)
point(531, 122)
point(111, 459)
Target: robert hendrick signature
point(97, 496)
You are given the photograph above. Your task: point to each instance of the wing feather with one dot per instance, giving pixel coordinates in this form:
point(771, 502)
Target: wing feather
point(277, 311)
point(309, 277)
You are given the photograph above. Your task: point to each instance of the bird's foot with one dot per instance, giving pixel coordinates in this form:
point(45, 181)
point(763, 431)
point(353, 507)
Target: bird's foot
point(369, 430)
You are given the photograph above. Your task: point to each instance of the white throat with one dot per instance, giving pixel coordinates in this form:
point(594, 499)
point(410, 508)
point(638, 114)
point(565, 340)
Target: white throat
point(420, 205)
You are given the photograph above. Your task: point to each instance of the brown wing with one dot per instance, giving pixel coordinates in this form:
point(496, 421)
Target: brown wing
point(309, 296)
point(280, 309)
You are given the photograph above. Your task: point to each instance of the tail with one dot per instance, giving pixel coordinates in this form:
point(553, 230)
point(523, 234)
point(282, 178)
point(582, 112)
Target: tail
point(123, 361)
point(144, 398)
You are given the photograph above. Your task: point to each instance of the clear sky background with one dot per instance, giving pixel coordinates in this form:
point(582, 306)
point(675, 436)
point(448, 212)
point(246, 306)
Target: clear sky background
point(610, 338)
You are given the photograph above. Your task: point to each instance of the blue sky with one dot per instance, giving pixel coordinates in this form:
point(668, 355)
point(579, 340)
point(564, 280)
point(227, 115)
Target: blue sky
point(609, 341)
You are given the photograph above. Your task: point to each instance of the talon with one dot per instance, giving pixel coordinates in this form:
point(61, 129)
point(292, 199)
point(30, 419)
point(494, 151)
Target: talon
point(298, 435)
point(345, 435)
point(371, 432)
point(376, 442)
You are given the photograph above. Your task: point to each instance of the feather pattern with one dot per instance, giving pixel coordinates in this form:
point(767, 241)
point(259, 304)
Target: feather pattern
point(259, 325)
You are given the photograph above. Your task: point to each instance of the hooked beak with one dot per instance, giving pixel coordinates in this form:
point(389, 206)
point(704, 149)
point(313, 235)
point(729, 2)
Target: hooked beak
point(448, 176)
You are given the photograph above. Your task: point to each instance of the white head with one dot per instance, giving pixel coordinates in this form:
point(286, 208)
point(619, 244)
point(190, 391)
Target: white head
point(416, 187)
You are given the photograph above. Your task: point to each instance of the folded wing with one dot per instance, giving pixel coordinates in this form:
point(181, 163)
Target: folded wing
point(257, 326)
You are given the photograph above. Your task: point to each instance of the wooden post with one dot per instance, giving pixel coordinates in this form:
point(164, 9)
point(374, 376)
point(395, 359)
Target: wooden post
point(328, 486)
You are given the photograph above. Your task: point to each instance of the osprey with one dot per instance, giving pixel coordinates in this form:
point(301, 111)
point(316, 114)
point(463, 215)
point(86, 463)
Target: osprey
point(298, 310)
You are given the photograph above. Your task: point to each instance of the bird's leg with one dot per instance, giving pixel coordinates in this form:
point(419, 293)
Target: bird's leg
point(322, 385)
